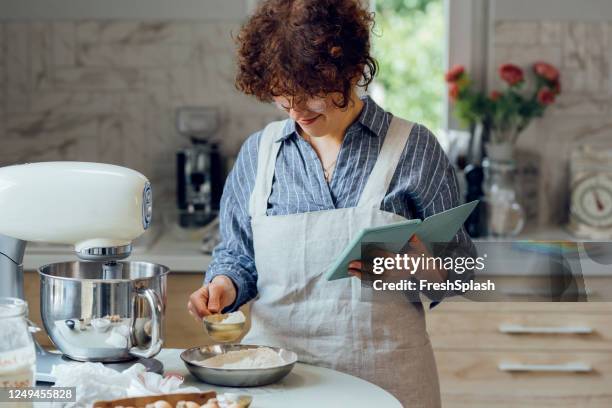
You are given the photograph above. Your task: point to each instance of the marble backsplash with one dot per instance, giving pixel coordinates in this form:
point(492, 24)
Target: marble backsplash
point(582, 113)
point(107, 91)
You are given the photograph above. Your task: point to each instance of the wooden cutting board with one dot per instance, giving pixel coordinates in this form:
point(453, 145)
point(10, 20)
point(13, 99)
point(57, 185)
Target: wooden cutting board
point(172, 399)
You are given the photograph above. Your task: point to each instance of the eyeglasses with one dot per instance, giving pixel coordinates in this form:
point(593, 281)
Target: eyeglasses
point(316, 105)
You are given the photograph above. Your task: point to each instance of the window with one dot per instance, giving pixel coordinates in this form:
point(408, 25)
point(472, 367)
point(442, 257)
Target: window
point(409, 44)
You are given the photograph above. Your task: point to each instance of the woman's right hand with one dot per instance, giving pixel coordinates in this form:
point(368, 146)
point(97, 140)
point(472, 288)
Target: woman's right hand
point(212, 298)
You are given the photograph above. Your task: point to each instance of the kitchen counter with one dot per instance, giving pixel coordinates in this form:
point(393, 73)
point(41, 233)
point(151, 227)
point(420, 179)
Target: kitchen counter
point(181, 253)
point(306, 386)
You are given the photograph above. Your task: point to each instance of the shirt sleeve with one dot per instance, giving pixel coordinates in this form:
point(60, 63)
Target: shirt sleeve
point(435, 189)
point(234, 256)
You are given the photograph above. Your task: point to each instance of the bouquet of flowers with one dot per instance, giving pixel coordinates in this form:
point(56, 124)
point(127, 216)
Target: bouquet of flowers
point(506, 112)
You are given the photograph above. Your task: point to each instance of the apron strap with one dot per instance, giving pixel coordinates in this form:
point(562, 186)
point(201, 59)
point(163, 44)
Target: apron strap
point(266, 162)
point(378, 183)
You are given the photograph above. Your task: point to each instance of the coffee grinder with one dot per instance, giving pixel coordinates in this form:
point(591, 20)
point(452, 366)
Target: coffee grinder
point(199, 173)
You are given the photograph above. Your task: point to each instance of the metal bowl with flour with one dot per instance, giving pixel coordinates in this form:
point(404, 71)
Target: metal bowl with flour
point(236, 377)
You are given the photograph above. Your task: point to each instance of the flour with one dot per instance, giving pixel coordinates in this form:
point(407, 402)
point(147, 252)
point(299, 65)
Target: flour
point(261, 357)
point(234, 318)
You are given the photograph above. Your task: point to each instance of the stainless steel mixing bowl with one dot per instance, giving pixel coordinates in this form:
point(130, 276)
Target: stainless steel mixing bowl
point(96, 312)
point(252, 377)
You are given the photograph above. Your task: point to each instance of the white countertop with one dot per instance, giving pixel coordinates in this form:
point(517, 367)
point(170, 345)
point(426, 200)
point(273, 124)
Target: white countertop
point(306, 386)
point(181, 253)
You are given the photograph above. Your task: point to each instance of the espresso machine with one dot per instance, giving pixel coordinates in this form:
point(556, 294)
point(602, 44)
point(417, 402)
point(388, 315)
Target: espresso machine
point(199, 175)
point(99, 308)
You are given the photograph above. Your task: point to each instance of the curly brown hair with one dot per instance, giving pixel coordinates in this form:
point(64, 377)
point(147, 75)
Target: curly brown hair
point(304, 49)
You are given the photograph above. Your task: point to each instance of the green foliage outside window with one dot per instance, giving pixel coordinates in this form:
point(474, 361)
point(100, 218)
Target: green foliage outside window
point(409, 46)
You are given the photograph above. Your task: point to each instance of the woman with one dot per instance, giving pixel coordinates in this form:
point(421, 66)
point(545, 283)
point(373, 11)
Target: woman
point(302, 188)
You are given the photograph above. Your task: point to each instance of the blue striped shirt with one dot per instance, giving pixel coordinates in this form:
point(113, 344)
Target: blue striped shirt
point(424, 183)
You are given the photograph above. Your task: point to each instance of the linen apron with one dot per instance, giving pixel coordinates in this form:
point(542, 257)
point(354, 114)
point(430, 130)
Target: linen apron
point(336, 324)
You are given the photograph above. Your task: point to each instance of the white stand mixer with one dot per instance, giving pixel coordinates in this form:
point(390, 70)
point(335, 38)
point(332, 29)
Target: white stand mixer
point(99, 209)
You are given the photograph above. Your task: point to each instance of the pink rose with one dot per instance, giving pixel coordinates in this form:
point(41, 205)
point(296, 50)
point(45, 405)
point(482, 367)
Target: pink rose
point(454, 73)
point(546, 71)
point(546, 96)
point(511, 73)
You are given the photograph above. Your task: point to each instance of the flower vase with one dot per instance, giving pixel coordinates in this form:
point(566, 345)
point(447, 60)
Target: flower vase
point(505, 216)
point(500, 151)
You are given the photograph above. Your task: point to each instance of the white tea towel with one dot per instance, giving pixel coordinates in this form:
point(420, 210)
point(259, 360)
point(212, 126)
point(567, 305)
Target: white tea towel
point(94, 382)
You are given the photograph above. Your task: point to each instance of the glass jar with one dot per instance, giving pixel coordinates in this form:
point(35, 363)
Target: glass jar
point(505, 216)
point(17, 351)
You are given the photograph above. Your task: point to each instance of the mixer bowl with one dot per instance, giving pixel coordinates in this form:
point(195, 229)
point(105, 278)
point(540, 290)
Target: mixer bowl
point(95, 313)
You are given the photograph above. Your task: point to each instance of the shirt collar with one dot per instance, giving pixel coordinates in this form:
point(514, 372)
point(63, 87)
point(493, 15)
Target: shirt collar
point(370, 117)
point(289, 130)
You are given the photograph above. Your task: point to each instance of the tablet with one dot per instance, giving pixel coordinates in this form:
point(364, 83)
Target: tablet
point(440, 227)
point(395, 236)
